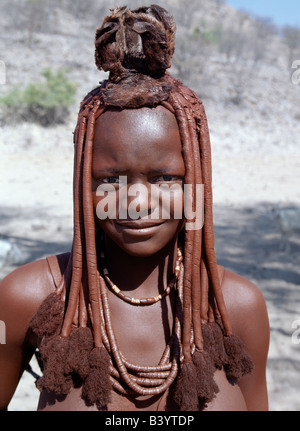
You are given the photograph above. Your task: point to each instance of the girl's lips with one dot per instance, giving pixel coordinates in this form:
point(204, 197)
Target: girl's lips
point(138, 228)
point(141, 224)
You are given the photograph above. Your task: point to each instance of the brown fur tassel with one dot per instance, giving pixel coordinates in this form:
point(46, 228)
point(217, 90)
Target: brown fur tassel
point(238, 361)
point(56, 375)
point(206, 386)
point(81, 344)
point(185, 393)
point(49, 317)
point(214, 343)
point(97, 387)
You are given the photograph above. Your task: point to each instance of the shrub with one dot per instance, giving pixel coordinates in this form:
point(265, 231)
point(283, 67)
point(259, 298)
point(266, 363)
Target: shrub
point(45, 102)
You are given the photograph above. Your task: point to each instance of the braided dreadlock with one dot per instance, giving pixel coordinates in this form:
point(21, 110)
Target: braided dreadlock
point(78, 344)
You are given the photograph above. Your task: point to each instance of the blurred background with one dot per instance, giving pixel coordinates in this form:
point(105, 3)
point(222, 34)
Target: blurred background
point(243, 59)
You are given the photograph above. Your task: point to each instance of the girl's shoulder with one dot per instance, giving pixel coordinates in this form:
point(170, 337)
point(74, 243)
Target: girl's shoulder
point(248, 314)
point(24, 289)
point(249, 318)
point(243, 298)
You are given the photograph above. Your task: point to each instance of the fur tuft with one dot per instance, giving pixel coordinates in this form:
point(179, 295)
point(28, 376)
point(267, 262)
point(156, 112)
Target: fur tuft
point(97, 387)
point(214, 343)
point(56, 374)
point(81, 344)
point(185, 393)
point(238, 361)
point(49, 317)
point(206, 386)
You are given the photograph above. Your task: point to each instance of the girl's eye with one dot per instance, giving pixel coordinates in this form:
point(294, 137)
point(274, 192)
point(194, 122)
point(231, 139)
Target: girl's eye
point(110, 180)
point(167, 178)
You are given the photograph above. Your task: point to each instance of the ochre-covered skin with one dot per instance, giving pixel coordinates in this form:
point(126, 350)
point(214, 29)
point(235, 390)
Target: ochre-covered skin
point(99, 351)
point(23, 291)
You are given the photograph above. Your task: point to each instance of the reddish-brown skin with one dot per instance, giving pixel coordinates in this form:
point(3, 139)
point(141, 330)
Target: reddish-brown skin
point(141, 270)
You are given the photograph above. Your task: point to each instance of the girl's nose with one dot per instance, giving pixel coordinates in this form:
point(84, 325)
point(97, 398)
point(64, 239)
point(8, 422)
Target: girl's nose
point(135, 201)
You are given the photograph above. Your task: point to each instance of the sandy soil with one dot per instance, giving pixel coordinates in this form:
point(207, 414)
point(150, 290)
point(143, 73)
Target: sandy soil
point(257, 225)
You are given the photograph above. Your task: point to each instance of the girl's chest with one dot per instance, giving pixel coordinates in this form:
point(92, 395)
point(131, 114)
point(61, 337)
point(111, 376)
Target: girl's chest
point(229, 398)
point(141, 333)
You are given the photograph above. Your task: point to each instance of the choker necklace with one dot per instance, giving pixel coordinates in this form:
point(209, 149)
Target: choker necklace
point(145, 301)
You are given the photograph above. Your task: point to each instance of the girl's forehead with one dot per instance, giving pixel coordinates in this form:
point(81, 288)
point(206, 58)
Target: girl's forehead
point(149, 120)
point(142, 137)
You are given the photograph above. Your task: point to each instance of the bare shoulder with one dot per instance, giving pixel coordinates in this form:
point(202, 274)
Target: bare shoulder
point(21, 293)
point(29, 283)
point(249, 318)
point(244, 301)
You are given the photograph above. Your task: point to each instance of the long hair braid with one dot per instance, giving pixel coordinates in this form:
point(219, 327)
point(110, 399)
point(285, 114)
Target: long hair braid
point(78, 345)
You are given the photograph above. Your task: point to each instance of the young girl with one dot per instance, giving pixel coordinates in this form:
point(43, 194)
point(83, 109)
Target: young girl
point(138, 316)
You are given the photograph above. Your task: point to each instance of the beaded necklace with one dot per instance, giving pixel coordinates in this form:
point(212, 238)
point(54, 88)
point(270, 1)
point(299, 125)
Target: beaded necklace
point(144, 301)
point(132, 379)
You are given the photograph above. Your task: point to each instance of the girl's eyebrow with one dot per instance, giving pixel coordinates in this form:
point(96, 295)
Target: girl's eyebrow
point(111, 170)
point(165, 170)
point(160, 170)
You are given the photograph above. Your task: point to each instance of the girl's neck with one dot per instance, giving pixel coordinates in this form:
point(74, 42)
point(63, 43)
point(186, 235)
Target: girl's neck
point(144, 276)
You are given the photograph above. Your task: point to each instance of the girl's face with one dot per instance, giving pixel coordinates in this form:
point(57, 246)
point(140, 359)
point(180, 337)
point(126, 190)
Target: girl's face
point(138, 173)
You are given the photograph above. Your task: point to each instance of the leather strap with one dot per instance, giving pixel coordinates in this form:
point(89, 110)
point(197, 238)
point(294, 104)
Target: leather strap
point(221, 271)
point(57, 265)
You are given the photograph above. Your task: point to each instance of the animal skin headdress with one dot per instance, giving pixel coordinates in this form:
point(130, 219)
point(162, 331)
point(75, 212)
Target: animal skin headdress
point(78, 344)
